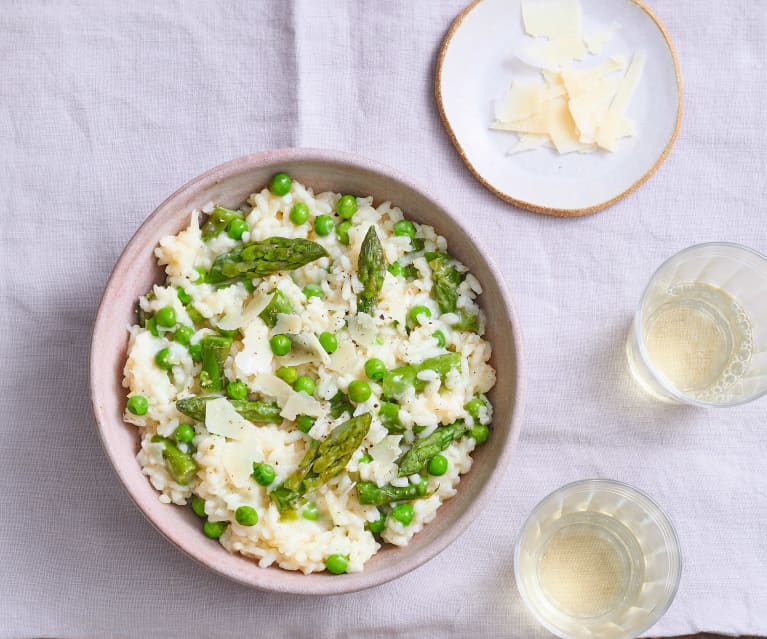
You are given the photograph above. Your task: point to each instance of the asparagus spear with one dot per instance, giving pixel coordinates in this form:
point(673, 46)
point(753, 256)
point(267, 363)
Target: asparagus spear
point(278, 304)
point(466, 321)
point(323, 461)
point(371, 269)
point(368, 493)
point(254, 411)
point(446, 279)
point(397, 380)
point(257, 259)
point(218, 220)
point(215, 349)
point(340, 404)
point(180, 465)
point(424, 449)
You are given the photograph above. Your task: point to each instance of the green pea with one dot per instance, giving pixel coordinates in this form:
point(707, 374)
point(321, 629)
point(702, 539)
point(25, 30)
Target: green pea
point(389, 414)
point(342, 232)
point(263, 473)
point(323, 225)
point(403, 513)
point(280, 184)
point(310, 512)
point(299, 213)
point(138, 405)
point(237, 389)
point(288, 374)
point(475, 405)
point(195, 350)
point(480, 433)
point(305, 423)
point(198, 506)
point(359, 391)
point(202, 275)
point(329, 342)
point(377, 526)
point(214, 529)
point(183, 334)
point(304, 384)
point(184, 433)
point(347, 206)
point(440, 337)
point(365, 459)
point(416, 311)
point(375, 369)
point(164, 359)
point(246, 516)
point(183, 296)
point(404, 228)
point(166, 317)
point(280, 344)
point(396, 269)
point(337, 564)
point(236, 228)
point(313, 290)
point(437, 465)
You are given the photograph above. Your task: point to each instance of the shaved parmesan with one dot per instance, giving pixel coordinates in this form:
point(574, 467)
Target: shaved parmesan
point(222, 419)
point(386, 451)
point(273, 387)
point(310, 343)
point(577, 110)
point(363, 329)
point(301, 404)
point(287, 324)
point(237, 459)
point(552, 19)
point(293, 403)
point(344, 359)
point(607, 135)
point(236, 320)
point(256, 354)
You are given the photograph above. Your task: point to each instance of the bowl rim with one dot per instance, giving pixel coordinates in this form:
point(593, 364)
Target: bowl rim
point(339, 584)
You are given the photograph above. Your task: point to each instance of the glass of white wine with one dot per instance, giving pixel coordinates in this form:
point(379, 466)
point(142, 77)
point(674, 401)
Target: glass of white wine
point(597, 559)
point(700, 334)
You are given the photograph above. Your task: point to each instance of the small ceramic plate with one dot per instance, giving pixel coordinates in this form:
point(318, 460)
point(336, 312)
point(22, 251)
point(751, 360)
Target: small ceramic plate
point(476, 65)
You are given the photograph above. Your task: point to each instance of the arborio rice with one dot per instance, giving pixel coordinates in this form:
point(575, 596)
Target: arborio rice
point(426, 392)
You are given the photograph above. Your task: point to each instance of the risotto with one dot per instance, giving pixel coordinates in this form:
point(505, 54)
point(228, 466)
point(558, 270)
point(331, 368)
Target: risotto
point(310, 377)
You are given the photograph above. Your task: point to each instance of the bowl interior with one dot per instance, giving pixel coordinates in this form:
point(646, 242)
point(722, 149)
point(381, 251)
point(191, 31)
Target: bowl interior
point(136, 271)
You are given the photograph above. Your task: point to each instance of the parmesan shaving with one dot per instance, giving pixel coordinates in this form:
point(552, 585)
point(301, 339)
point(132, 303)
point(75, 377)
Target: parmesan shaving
point(573, 109)
point(237, 459)
point(386, 451)
point(309, 342)
point(301, 404)
point(254, 307)
point(293, 403)
point(222, 419)
point(344, 359)
point(256, 354)
point(287, 324)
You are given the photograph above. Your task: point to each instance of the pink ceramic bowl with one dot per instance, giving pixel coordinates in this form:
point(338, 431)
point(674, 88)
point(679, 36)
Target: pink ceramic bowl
point(136, 271)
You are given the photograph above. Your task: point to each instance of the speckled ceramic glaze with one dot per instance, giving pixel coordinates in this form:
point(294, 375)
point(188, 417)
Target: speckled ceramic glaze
point(136, 271)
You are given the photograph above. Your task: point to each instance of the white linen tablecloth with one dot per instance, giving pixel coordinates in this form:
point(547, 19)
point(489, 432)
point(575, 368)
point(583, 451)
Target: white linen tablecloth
point(107, 107)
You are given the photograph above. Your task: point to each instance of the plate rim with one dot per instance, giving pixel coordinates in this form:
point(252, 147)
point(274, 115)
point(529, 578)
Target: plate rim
point(531, 206)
